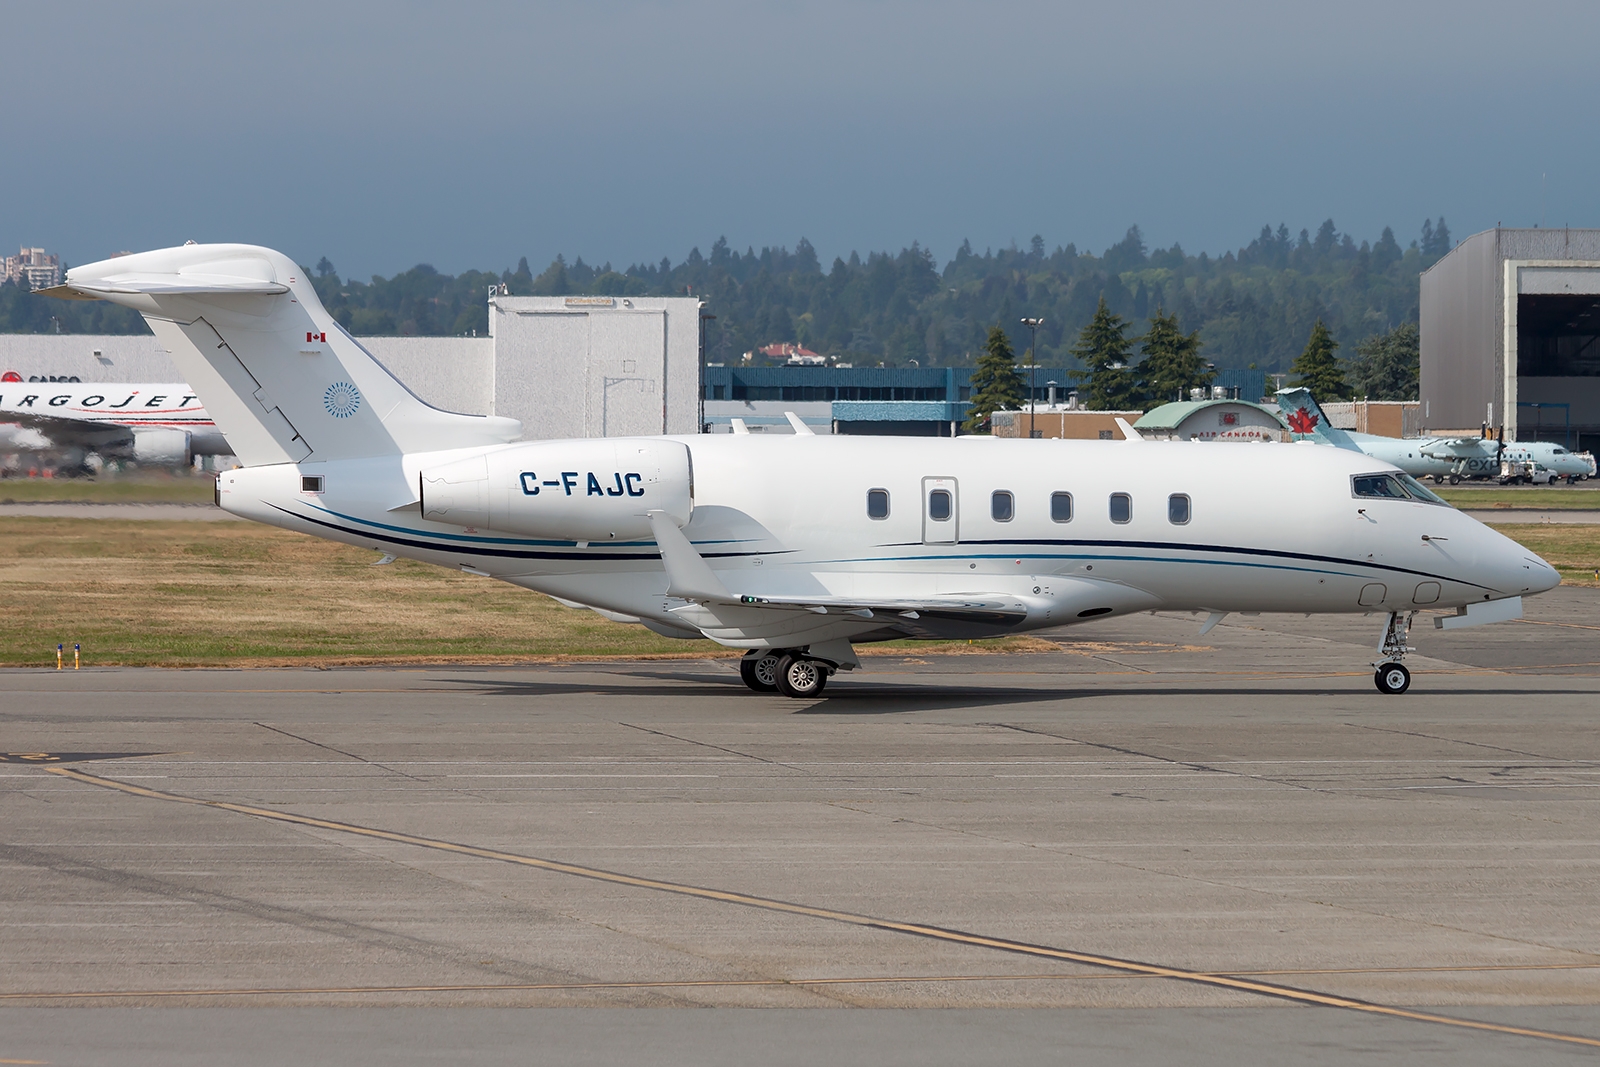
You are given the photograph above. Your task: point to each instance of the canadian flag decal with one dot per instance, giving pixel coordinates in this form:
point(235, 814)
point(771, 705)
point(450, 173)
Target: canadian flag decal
point(1302, 421)
point(310, 337)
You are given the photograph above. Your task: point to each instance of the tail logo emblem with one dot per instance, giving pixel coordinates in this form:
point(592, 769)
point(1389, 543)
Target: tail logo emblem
point(342, 400)
point(1302, 421)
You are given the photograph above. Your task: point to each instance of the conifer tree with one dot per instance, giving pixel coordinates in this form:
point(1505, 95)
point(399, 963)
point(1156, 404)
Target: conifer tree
point(1385, 367)
point(1172, 364)
point(996, 385)
point(1104, 349)
point(1319, 369)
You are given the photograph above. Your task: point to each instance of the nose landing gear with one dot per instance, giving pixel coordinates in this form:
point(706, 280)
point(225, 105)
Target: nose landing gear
point(1391, 676)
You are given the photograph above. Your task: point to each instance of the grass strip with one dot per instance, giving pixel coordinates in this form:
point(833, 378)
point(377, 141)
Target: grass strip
point(1546, 498)
point(146, 487)
point(193, 594)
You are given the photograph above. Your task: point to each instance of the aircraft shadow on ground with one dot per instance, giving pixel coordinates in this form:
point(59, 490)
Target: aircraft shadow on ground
point(889, 698)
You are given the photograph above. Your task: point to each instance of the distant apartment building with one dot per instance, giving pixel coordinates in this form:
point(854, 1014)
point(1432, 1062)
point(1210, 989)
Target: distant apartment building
point(34, 268)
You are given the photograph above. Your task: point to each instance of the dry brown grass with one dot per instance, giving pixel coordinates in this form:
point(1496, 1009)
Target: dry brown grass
point(189, 594)
point(1571, 548)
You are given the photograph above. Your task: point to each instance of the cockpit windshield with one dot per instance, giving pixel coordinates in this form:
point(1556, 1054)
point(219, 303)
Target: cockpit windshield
point(1392, 487)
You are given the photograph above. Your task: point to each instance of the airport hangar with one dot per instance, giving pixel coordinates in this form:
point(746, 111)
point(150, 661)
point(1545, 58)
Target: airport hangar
point(1511, 336)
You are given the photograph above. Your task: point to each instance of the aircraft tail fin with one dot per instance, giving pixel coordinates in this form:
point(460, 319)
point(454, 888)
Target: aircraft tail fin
point(1308, 422)
point(284, 382)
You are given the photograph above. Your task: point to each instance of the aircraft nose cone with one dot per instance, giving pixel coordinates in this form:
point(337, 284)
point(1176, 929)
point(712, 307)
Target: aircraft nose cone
point(1540, 575)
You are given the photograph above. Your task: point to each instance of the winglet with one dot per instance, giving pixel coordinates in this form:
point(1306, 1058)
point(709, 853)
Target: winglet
point(688, 575)
point(739, 426)
point(800, 428)
point(1128, 432)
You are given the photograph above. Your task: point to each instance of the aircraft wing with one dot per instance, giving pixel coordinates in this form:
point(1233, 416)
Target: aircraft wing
point(1456, 447)
point(985, 606)
point(66, 433)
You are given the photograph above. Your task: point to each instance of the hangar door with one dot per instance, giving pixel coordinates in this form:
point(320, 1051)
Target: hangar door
point(1558, 353)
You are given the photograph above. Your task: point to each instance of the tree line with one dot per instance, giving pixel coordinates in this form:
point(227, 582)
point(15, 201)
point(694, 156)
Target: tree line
point(1169, 364)
point(1252, 307)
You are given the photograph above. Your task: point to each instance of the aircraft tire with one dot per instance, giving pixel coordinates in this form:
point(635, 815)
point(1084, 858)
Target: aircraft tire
point(801, 677)
point(1438, 479)
point(1455, 479)
point(1392, 678)
point(759, 670)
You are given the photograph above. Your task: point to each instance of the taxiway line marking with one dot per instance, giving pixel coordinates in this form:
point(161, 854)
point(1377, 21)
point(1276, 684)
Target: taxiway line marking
point(938, 933)
point(707, 983)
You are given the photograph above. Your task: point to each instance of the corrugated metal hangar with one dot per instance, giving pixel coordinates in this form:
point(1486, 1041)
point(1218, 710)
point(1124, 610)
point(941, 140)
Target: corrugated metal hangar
point(1511, 335)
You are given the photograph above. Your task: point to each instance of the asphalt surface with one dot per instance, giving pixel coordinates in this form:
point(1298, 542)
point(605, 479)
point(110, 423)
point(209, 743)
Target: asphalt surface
point(1149, 847)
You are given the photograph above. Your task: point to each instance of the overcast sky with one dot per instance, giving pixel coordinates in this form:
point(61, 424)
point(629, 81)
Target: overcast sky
point(465, 135)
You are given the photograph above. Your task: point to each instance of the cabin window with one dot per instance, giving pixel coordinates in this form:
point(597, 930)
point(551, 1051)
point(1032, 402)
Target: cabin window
point(1001, 506)
point(877, 503)
point(1121, 507)
point(1060, 507)
point(939, 505)
point(1178, 509)
point(311, 484)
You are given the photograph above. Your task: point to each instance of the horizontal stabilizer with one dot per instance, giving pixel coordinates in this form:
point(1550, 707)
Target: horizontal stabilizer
point(165, 285)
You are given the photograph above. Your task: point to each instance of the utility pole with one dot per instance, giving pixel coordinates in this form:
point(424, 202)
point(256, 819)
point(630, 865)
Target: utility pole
point(1033, 364)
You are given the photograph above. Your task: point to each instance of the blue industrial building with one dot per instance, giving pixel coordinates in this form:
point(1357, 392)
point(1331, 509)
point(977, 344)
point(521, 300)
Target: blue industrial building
point(902, 401)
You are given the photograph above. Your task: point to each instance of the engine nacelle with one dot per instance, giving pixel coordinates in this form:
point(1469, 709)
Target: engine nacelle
point(161, 446)
point(588, 490)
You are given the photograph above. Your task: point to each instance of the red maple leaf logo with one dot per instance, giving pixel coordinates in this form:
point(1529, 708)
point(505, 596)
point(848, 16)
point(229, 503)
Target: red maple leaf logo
point(1302, 421)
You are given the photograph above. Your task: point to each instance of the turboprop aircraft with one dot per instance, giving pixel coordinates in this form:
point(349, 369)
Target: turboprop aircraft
point(1440, 457)
point(155, 425)
point(797, 547)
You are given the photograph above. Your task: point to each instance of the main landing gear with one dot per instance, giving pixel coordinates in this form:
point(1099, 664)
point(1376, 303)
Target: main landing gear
point(780, 670)
point(1391, 675)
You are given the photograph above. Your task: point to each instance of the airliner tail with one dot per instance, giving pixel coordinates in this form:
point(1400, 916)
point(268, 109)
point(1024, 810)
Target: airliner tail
point(1308, 422)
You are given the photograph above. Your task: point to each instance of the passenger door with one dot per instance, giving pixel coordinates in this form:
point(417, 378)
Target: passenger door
point(940, 511)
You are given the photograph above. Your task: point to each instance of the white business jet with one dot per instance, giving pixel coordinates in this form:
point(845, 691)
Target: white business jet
point(154, 425)
point(795, 547)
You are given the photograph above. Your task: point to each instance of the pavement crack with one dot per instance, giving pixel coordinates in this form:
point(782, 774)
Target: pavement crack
point(371, 763)
point(718, 748)
point(1472, 744)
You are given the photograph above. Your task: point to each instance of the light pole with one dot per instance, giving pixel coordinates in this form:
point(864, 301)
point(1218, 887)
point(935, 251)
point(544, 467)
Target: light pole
point(1033, 363)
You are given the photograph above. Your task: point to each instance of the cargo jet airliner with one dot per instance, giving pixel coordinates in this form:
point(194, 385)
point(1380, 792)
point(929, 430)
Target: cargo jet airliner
point(795, 548)
point(155, 425)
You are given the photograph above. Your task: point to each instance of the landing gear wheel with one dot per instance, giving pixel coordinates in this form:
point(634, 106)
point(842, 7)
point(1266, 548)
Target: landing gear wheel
point(1438, 479)
point(1392, 678)
point(1455, 479)
point(801, 677)
point(759, 670)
